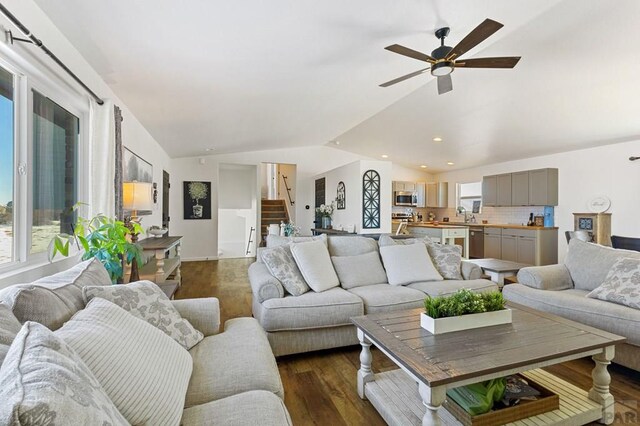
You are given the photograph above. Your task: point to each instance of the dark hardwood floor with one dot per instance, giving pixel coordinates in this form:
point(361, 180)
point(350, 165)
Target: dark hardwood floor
point(320, 387)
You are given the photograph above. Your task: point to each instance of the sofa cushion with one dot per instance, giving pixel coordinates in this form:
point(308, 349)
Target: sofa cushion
point(574, 305)
point(311, 310)
point(315, 265)
point(277, 240)
point(622, 284)
point(406, 264)
point(446, 258)
point(144, 371)
point(590, 263)
point(363, 269)
point(54, 299)
point(281, 265)
point(245, 409)
point(9, 327)
point(43, 381)
point(388, 298)
point(351, 246)
point(235, 361)
point(448, 287)
point(386, 240)
point(147, 301)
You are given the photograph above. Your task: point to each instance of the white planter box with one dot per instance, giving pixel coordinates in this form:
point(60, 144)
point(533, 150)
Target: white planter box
point(464, 322)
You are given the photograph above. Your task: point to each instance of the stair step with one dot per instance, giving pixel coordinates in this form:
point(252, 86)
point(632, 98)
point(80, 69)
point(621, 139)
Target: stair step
point(272, 202)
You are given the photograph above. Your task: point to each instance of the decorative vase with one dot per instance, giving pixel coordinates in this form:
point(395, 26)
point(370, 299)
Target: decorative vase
point(326, 222)
point(197, 211)
point(464, 322)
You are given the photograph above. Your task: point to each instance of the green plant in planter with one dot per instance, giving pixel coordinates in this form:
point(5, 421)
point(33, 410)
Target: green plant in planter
point(463, 302)
point(103, 238)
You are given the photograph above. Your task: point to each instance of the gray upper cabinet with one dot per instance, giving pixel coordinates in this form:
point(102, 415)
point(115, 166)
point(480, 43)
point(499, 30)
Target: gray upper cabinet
point(421, 191)
point(490, 191)
point(520, 189)
point(543, 187)
point(437, 194)
point(504, 190)
point(526, 188)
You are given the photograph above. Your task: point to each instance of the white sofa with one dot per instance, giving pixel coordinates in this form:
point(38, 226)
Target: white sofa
point(235, 379)
point(562, 289)
point(314, 321)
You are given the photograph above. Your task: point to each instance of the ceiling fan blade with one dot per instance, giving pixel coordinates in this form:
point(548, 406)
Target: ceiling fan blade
point(404, 77)
point(396, 48)
point(504, 62)
point(445, 84)
point(475, 37)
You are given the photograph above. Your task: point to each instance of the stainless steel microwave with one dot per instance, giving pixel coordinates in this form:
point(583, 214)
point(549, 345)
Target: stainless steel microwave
point(405, 199)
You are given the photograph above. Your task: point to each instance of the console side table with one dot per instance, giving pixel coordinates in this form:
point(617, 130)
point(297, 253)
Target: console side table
point(165, 260)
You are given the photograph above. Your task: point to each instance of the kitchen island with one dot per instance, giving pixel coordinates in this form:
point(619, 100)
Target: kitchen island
point(443, 233)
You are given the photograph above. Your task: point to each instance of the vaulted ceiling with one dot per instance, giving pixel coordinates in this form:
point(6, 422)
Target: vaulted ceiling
point(244, 75)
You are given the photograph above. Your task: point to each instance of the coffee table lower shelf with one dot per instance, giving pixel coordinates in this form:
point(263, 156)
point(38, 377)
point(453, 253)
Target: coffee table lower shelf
point(395, 395)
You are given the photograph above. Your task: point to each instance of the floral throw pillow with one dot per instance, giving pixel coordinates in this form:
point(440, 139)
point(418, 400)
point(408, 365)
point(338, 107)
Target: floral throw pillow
point(622, 284)
point(281, 264)
point(145, 300)
point(44, 382)
point(446, 259)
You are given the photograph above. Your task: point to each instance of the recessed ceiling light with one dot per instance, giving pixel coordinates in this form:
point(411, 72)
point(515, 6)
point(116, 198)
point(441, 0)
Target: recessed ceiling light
point(449, 163)
point(423, 166)
point(437, 139)
point(384, 156)
point(337, 142)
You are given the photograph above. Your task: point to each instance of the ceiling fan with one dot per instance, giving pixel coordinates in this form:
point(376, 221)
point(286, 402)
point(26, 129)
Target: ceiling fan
point(444, 59)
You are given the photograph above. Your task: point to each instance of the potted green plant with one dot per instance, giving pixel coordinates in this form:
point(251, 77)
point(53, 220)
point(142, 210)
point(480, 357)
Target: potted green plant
point(464, 310)
point(104, 238)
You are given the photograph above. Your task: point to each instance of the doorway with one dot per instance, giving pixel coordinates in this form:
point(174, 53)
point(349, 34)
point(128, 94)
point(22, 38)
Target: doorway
point(165, 200)
point(237, 210)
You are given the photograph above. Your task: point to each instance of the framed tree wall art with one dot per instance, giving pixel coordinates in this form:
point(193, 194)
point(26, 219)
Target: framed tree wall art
point(197, 200)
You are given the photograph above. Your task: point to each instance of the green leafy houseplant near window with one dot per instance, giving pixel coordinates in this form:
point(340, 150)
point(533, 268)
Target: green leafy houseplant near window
point(103, 238)
point(463, 302)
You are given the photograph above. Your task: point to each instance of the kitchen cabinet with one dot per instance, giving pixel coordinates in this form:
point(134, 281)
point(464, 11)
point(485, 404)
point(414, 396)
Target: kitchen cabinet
point(520, 189)
point(444, 234)
point(490, 191)
point(404, 186)
point(525, 188)
point(504, 190)
point(421, 191)
point(543, 187)
point(531, 246)
point(509, 246)
point(437, 194)
point(527, 250)
point(492, 246)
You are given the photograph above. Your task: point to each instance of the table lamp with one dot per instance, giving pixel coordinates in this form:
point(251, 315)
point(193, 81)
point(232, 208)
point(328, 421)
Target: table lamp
point(136, 196)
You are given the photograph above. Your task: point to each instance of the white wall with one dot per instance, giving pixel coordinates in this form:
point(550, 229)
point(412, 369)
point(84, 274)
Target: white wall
point(200, 236)
point(583, 174)
point(237, 209)
point(288, 170)
point(134, 135)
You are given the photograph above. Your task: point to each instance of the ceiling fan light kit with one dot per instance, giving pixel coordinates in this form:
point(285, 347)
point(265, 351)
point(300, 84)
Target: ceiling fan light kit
point(444, 59)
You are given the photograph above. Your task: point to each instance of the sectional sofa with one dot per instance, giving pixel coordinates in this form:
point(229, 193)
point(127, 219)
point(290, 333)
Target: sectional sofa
point(321, 320)
point(562, 290)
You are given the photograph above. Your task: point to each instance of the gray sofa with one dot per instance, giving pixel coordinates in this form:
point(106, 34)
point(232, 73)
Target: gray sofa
point(235, 379)
point(562, 289)
point(315, 321)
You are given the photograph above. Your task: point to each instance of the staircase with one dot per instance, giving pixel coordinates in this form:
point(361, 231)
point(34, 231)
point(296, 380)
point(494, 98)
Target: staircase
point(272, 211)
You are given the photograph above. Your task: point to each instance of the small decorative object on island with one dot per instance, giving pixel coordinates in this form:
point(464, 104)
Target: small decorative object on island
point(341, 199)
point(197, 200)
point(464, 310)
point(325, 211)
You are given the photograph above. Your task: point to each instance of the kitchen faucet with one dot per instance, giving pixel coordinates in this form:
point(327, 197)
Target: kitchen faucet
point(462, 210)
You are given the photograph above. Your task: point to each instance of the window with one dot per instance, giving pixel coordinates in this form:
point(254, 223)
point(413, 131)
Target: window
point(468, 194)
point(40, 163)
point(6, 167)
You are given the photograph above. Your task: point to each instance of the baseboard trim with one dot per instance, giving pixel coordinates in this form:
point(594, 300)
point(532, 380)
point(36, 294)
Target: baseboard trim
point(199, 259)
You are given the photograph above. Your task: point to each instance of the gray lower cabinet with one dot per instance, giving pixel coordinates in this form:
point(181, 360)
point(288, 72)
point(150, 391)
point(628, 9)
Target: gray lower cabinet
point(531, 246)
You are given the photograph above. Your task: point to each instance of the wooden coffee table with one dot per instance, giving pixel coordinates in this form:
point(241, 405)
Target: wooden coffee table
point(440, 362)
point(498, 269)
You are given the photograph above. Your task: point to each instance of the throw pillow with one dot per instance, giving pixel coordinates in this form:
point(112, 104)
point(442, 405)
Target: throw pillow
point(281, 264)
point(142, 370)
point(447, 259)
point(52, 300)
point(277, 240)
point(315, 265)
point(622, 284)
point(406, 264)
point(356, 271)
point(9, 327)
point(44, 382)
point(147, 301)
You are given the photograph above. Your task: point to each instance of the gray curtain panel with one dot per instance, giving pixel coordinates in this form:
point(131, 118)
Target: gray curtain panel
point(119, 170)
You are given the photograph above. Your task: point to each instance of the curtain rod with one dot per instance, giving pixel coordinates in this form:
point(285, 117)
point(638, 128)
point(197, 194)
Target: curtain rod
point(34, 40)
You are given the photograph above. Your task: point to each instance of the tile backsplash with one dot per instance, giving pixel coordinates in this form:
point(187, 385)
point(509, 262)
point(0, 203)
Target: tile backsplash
point(496, 215)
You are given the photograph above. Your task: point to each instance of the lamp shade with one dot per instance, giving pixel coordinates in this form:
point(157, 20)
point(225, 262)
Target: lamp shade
point(136, 196)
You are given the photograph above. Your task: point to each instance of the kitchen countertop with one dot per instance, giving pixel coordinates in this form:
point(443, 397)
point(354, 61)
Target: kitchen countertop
point(487, 225)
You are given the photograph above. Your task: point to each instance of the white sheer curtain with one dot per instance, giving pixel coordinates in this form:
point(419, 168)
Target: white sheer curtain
point(102, 159)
